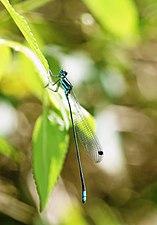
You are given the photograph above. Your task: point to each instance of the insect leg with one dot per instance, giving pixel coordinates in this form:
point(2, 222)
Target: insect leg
point(54, 90)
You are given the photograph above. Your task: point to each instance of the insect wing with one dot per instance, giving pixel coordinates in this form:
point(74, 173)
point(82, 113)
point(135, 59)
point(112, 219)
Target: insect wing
point(85, 132)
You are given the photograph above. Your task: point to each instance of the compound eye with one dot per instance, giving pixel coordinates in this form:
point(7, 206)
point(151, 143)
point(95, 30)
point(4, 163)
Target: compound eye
point(61, 72)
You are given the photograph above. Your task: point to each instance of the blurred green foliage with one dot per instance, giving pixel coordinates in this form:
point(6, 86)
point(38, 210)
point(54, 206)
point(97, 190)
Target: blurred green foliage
point(109, 49)
point(124, 12)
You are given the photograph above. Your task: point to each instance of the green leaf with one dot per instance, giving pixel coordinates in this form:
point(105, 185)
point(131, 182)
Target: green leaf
point(118, 17)
point(5, 56)
point(25, 72)
point(24, 7)
point(32, 57)
point(26, 31)
point(55, 98)
point(50, 143)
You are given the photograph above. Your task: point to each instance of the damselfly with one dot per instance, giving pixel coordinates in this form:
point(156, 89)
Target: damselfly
point(80, 125)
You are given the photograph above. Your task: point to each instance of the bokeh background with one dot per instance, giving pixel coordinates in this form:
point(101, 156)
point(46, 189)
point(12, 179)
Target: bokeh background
point(110, 53)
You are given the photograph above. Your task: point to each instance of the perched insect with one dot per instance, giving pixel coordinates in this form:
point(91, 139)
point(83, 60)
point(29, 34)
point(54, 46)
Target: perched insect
point(80, 125)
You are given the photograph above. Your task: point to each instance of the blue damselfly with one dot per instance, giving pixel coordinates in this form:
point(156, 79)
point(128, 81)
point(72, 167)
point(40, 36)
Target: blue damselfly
point(80, 125)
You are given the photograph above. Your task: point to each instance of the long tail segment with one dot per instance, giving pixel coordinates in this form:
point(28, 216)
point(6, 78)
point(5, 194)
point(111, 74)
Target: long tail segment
point(84, 194)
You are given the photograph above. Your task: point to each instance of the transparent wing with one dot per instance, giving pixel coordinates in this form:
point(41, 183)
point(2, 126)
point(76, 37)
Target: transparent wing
point(84, 131)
